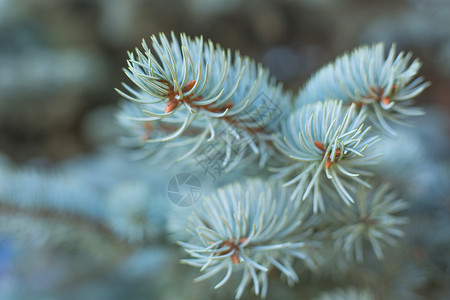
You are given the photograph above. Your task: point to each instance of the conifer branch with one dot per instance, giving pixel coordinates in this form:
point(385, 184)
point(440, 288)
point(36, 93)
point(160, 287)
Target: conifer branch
point(252, 227)
point(385, 85)
point(196, 90)
point(328, 145)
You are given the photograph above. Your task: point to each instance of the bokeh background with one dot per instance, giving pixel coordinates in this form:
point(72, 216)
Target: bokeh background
point(61, 60)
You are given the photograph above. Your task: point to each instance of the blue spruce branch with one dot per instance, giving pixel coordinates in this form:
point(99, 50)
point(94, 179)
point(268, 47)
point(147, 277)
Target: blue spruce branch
point(328, 145)
point(251, 228)
point(195, 90)
point(385, 85)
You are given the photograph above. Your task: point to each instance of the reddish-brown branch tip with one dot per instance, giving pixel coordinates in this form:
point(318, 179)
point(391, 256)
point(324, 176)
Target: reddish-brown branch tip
point(319, 145)
point(328, 162)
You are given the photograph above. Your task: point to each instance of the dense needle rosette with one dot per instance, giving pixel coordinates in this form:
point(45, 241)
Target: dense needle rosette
point(374, 218)
point(251, 228)
point(367, 77)
point(328, 144)
point(196, 89)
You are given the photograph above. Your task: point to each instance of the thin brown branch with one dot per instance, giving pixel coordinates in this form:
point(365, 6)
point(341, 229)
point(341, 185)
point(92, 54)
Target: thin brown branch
point(73, 219)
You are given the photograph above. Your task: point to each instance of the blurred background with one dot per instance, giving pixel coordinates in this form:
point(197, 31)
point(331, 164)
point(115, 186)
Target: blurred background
point(61, 60)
